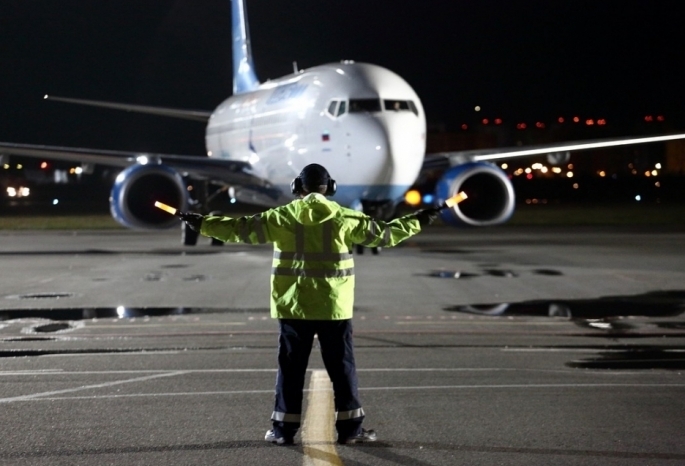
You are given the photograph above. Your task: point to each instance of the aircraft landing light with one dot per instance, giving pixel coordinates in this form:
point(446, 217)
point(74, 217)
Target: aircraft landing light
point(165, 208)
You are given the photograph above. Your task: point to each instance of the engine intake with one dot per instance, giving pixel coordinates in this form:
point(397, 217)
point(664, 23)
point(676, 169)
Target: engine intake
point(138, 187)
point(491, 195)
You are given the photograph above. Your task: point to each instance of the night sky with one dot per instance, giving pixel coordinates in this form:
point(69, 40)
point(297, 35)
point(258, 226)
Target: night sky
point(518, 60)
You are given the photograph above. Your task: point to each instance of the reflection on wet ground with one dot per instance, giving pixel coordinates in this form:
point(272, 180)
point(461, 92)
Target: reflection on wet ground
point(653, 304)
point(636, 358)
point(119, 312)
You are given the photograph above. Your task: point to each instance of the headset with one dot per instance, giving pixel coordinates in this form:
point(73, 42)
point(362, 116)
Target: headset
point(297, 187)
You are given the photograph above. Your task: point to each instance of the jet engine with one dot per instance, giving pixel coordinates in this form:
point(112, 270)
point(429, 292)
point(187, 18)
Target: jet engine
point(132, 200)
point(490, 194)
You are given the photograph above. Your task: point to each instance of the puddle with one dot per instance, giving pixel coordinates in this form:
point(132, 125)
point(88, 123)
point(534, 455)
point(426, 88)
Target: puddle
point(654, 304)
point(119, 312)
point(493, 272)
point(633, 359)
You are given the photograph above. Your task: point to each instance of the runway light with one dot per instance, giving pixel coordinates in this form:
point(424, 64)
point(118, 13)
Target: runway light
point(560, 119)
point(575, 186)
point(504, 166)
point(485, 121)
point(647, 173)
point(464, 126)
point(498, 121)
point(657, 166)
point(657, 184)
point(477, 108)
point(589, 122)
point(602, 173)
point(556, 169)
point(19, 166)
point(660, 118)
point(55, 201)
point(655, 173)
point(569, 175)
point(576, 119)
point(529, 176)
point(43, 165)
point(638, 198)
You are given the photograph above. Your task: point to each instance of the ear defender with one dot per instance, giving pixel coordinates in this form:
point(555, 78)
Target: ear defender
point(332, 187)
point(296, 186)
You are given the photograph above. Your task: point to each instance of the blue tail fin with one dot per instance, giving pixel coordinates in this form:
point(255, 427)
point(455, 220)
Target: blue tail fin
point(244, 78)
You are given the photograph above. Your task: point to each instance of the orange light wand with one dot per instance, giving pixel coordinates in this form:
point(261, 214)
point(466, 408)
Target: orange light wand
point(454, 200)
point(165, 208)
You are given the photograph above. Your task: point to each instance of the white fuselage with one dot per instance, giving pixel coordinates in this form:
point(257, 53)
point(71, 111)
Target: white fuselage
point(364, 123)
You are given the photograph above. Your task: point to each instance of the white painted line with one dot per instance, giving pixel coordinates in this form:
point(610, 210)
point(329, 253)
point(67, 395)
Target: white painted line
point(327, 392)
point(318, 433)
point(86, 387)
point(140, 371)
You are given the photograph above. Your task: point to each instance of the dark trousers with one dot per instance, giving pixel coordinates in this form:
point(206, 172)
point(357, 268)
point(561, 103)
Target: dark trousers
point(337, 351)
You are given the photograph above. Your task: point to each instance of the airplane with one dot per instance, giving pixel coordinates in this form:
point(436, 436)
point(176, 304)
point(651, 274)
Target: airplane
point(363, 122)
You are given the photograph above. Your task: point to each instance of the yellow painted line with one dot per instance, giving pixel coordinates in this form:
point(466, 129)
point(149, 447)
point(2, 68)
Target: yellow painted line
point(318, 430)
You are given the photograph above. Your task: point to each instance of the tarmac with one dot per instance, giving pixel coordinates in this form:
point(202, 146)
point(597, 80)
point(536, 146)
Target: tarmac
point(507, 345)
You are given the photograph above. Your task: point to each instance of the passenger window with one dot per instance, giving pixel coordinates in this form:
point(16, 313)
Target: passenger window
point(365, 105)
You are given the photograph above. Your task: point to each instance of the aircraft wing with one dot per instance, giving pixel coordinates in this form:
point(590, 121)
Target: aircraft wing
point(447, 159)
point(247, 186)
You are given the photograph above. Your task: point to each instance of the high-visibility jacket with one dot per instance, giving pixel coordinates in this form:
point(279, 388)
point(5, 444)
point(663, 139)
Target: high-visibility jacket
point(312, 275)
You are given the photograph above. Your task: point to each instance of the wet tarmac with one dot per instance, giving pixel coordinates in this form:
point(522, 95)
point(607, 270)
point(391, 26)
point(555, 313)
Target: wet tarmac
point(527, 347)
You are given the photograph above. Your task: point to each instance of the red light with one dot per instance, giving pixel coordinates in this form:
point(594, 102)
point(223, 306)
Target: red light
point(540, 124)
point(560, 119)
point(576, 119)
point(44, 165)
point(464, 126)
point(589, 122)
point(529, 176)
point(601, 122)
point(649, 118)
point(485, 121)
point(521, 126)
point(660, 118)
point(498, 121)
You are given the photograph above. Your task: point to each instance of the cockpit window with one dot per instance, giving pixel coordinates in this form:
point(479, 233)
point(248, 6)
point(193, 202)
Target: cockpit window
point(365, 105)
point(337, 108)
point(342, 108)
point(400, 106)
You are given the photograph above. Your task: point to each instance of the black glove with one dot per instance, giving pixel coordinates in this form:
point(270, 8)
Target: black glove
point(193, 220)
point(426, 216)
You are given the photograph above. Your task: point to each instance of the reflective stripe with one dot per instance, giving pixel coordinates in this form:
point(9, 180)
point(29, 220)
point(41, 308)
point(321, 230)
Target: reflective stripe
point(259, 228)
point(386, 237)
point(371, 234)
point(285, 417)
point(244, 230)
point(327, 237)
point(299, 237)
point(313, 273)
point(346, 415)
point(312, 256)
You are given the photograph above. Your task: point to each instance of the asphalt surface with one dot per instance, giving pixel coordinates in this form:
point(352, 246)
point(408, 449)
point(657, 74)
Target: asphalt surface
point(496, 346)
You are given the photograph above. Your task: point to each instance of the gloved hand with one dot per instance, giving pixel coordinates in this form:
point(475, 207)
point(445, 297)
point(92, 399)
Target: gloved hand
point(427, 216)
point(193, 220)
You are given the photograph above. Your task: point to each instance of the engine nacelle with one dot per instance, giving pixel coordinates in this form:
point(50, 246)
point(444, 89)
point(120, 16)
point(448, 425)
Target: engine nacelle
point(490, 194)
point(132, 200)
point(558, 158)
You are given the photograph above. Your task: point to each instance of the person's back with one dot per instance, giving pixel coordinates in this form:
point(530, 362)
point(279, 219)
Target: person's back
point(312, 291)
